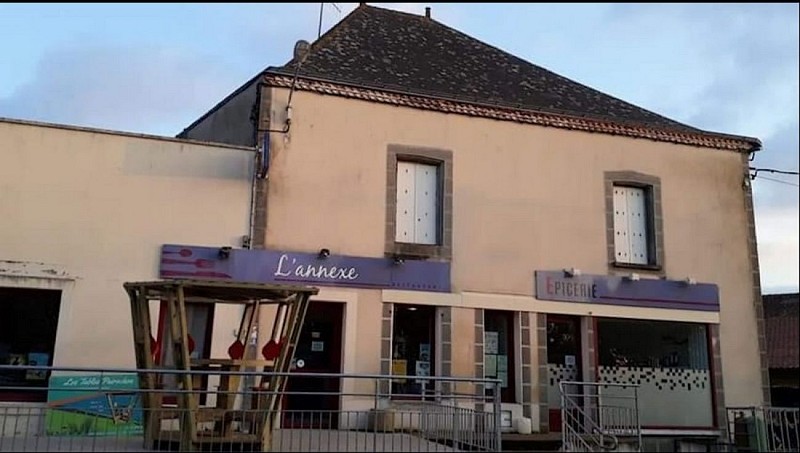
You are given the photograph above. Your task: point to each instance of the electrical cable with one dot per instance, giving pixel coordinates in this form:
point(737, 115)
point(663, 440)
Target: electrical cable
point(779, 181)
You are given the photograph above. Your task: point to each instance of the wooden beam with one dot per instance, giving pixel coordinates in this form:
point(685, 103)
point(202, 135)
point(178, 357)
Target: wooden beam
point(180, 347)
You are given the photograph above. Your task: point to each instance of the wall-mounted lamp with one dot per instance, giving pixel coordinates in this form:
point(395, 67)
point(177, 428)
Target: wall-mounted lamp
point(633, 277)
point(689, 281)
point(224, 253)
point(323, 253)
point(398, 260)
point(572, 272)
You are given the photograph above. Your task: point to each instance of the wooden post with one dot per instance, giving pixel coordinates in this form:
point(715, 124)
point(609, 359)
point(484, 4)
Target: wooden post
point(292, 325)
point(180, 345)
point(229, 384)
point(142, 331)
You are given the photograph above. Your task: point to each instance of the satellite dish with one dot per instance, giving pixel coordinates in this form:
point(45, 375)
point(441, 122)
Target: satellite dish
point(301, 49)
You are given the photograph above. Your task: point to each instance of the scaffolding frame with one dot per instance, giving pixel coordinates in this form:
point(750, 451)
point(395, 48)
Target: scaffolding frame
point(292, 302)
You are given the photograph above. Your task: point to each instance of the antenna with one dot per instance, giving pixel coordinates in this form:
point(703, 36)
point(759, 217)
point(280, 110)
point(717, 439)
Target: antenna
point(301, 49)
point(319, 29)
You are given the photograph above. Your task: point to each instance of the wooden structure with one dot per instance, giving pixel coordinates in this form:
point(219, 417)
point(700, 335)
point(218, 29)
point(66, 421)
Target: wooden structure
point(292, 303)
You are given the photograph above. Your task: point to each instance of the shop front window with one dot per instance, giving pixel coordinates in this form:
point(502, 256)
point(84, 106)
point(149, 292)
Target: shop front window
point(28, 322)
point(413, 351)
point(498, 352)
point(669, 363)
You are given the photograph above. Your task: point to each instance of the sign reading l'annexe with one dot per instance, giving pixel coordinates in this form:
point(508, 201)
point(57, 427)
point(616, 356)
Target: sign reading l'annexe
point(271, 266)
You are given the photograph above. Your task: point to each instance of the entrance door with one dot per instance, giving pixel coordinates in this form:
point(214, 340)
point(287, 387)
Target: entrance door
point(313, 402)
point(563, 360)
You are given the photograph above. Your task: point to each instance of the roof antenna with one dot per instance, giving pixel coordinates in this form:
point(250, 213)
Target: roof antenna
point(321, 6)
point(319, 28)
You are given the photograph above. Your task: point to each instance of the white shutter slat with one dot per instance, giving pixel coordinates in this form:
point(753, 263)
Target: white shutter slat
point(404, 218)
point(426, 200)
point(621, 237)
point(637, 224)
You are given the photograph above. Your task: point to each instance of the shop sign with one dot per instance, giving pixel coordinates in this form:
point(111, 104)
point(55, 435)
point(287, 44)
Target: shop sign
point(615, 290)
point(281, 267)
point(94, 405)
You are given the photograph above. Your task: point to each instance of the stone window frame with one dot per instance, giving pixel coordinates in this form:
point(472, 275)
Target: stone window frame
point(443, 159)
point(655, 223)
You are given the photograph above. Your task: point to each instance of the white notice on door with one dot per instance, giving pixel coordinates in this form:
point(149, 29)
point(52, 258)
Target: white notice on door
point(490, 342)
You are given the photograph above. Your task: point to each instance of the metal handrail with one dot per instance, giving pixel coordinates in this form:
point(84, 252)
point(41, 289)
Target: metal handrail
point(591, 428)
point(439, 417)
point(766, 428)
point(173, 371)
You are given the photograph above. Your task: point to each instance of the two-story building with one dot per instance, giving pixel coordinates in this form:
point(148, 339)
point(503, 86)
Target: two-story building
point(468, 213)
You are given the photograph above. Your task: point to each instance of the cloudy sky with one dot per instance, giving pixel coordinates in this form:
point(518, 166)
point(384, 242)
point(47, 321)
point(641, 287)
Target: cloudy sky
point(154, 68)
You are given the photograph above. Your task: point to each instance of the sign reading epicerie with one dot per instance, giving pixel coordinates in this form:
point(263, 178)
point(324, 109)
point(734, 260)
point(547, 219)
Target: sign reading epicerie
point(270, 266)
point(613, 290)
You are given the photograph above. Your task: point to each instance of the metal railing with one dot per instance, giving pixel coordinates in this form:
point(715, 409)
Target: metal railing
point(598, 416)
point(764, 428)
point(92, 409)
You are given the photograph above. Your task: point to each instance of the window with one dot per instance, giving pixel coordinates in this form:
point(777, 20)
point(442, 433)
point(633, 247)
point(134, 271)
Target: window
point(419, 200)
point(413, 351)
point(635, 227)
point(631, 236)
point(498, 350)
point(668, 361)
point(27, 337)
point(417, 218)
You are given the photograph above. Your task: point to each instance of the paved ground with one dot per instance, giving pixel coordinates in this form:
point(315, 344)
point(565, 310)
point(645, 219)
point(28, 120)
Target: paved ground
point(284, 440)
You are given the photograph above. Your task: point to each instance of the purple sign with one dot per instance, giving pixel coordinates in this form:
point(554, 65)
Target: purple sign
point(269, 266)
point(611, 290)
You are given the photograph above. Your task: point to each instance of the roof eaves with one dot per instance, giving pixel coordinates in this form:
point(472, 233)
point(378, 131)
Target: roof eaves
point(282, 78)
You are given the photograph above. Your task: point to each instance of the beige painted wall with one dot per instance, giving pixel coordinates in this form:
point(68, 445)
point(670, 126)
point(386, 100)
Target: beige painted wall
point(525, 198)
point(95, 208)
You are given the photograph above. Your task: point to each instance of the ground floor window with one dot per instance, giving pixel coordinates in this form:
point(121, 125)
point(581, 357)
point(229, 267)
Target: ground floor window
point(413, 348)
point(28, 323)
point(498, 352)
point(668, 360)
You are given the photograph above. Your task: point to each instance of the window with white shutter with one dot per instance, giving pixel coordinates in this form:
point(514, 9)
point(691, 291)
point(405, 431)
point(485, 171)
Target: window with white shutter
point(417, 216)
point(631, 238)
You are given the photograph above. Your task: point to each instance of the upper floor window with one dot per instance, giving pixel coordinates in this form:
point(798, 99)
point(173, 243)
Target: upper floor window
point(417, 218)
point(419, 202)
point(634, 223)
point(632, 235)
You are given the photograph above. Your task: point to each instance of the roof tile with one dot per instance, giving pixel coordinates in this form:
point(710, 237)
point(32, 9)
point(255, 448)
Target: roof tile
point(384, 49)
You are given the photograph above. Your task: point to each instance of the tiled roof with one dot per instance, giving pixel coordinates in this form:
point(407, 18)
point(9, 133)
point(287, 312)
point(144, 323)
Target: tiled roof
point(402, 54)
point(782, 325)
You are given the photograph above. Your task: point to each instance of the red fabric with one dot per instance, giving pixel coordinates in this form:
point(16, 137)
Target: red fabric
point(236, 350)
point(271, 350)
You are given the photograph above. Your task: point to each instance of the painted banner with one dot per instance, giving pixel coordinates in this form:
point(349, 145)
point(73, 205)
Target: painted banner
point(613, 290)
point(94, 405)
point(270, 266)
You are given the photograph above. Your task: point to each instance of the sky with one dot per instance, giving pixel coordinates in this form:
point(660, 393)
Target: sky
point(155, 68)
